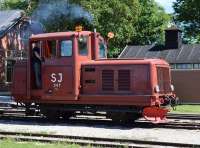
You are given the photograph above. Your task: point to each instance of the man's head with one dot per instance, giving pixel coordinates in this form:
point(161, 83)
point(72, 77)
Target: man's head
point(35, 44)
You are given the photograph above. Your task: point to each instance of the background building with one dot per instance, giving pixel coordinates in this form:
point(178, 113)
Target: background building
point(15, 30)
point(183, 58)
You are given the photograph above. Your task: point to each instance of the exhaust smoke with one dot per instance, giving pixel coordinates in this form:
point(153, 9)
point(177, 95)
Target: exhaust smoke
point(59, 12)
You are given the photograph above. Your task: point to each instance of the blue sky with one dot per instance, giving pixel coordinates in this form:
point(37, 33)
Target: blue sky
point(167, 4)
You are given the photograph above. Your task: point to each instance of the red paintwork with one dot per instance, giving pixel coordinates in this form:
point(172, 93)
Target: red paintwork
point(74, 90)
point(155, 114)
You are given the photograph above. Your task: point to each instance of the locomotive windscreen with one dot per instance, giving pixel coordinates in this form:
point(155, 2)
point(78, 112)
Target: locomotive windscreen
point(163, 79)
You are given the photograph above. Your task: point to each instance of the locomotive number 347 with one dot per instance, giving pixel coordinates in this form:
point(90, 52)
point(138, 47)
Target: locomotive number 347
point(56, 79)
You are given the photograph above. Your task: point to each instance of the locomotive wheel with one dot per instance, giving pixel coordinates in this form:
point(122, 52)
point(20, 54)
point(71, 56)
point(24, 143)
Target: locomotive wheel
point(125, 118)
point(131, 117)
point(51, 115)
point(29, 111)
point(117, 117)
point(66, 115)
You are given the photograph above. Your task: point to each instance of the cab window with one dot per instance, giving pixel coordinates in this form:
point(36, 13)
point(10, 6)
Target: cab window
point(66, 48)
point(102, 49)
point(83, 45)
point(50, 50)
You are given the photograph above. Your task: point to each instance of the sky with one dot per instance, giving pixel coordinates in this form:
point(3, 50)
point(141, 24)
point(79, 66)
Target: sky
point(167, 4)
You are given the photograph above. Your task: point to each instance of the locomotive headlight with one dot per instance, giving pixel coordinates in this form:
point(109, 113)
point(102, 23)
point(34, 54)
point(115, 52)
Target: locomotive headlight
point(157, 89)
point(172, 87)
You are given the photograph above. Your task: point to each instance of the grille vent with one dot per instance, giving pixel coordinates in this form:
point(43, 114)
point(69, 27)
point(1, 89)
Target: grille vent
point(124, 80)
point(107, 80)
point(89, 69)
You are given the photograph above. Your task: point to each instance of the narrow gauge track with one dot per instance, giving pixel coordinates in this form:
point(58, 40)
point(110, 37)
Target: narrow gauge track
point(9, 110)
point(178, 123)
point(93, 141)
point(183, 116)
point(170, 124)
point(95, 122)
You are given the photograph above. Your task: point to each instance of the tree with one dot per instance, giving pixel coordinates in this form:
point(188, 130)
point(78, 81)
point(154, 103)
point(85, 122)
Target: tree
point(132, 21)
point(27, 5)
point(187, 16)
point(55, 15)
point(118, 16)
point(152, 22)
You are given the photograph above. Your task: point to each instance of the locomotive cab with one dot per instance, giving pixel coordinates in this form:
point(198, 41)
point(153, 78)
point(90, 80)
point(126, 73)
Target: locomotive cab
point(62, 54)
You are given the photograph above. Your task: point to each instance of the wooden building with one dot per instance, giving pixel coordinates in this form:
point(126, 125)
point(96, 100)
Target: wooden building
point(183, 58)
point(15, 30)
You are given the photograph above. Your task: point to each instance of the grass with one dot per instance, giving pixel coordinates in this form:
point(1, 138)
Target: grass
point(9, 143)
point(187, 109)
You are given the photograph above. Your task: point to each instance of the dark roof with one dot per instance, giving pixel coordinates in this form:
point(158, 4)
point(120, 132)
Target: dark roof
point(8, 18)
point(188, 53)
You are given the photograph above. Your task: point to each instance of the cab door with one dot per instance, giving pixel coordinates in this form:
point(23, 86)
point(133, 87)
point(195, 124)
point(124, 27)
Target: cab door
point(57, 70)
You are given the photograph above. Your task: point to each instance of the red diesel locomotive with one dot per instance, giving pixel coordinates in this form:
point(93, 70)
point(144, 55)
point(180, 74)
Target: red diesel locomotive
point(77, 76)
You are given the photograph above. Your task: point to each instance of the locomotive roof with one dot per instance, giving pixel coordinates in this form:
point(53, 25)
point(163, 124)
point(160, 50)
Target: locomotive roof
point(126, 61)
point(58, 34)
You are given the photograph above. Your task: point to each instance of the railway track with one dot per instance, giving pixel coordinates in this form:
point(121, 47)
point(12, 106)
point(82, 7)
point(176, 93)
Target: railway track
point(184, 116)
point(76, 121)
point(92, 141)
point(10, 110)
point(177, 121)
point(174, 123)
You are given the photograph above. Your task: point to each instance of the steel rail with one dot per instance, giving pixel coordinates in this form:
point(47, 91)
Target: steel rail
point(183, 116)
point(189, 125)
point(19, 115)
point(170, 115)
point(93, 141)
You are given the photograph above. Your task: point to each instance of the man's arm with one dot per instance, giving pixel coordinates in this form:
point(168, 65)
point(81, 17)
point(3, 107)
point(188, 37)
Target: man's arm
point(37, 55)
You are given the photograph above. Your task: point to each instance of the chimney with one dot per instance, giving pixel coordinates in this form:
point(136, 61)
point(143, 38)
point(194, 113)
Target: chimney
point(173, 38)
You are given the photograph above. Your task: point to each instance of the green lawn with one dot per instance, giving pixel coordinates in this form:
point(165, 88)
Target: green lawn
point(8, 143)
point(187, 109)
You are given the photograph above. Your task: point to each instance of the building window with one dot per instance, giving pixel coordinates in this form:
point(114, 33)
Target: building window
point(9, 70)
point(173, 66)
point(196, 66)
point(185, 66)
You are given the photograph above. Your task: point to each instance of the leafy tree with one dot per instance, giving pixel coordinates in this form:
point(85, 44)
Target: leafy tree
point(151, 23)
point(27, 5)
point(187, 16)
point(118, 16)
point(132, 21)
point(53, 14)
point(13, 4)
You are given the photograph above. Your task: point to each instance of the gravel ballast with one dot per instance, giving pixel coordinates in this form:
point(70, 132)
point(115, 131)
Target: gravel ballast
point(151, 134)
